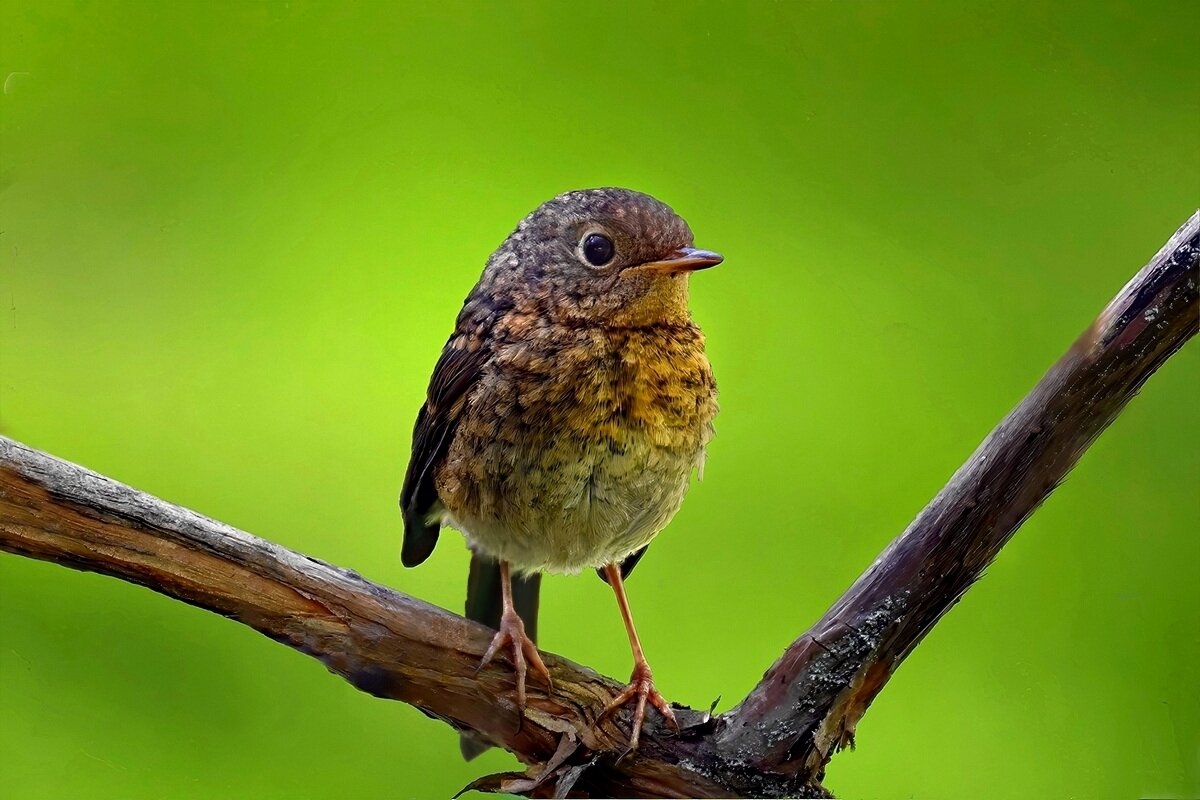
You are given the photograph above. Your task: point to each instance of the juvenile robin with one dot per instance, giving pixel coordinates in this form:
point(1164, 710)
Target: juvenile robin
point(565, 415)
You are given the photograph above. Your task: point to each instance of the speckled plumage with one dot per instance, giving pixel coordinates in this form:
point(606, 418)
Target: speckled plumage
point(591, 399)
point(576, 445)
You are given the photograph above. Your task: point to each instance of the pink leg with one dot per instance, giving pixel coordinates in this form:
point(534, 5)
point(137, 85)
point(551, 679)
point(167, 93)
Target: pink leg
point(512, 634)
point(641, 682)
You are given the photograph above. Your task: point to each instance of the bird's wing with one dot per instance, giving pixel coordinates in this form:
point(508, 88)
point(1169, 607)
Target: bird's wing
point(456, 372)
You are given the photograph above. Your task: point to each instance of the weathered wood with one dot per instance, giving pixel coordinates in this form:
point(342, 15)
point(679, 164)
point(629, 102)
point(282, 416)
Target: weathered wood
point(809, 702)
point(384, 642)
point(778, 740)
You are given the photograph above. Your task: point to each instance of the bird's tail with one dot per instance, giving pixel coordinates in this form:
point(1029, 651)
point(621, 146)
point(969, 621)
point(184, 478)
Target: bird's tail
point(485, 603)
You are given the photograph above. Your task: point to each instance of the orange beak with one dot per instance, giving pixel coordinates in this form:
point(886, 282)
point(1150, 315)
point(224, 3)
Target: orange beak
point(685, 259)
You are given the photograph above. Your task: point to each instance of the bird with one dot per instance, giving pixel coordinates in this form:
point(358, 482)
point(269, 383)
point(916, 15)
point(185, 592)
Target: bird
point(565, 418)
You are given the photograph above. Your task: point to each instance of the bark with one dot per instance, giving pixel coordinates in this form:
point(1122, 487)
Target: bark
point(779, 739)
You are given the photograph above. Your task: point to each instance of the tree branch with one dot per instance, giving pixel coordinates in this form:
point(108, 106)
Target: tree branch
point(809, 702)
point(383, 642)
point(778, 740)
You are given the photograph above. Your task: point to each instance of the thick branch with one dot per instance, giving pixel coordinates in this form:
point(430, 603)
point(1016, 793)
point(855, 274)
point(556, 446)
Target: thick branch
point(809, 702)
point(384, 642)
point(780, 737)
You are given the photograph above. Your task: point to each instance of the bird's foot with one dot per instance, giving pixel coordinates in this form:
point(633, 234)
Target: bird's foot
point(641, 686)
point(524, 652)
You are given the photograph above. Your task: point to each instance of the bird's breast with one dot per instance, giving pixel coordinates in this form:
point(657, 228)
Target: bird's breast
point(612, 386)
point(578, 444)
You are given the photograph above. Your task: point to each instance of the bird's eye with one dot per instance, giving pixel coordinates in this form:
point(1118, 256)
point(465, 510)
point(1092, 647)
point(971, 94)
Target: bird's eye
point(597, 249)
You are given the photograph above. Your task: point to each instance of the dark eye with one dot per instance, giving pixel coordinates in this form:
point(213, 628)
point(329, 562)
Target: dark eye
point(597, 249)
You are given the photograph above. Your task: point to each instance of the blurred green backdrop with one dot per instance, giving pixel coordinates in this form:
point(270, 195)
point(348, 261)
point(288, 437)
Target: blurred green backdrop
point(235, 235)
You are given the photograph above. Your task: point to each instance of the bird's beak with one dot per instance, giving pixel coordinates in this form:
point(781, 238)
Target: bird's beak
point(685, 259)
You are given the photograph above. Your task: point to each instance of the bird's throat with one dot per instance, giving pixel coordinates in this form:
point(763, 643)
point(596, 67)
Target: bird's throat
point(650, 299)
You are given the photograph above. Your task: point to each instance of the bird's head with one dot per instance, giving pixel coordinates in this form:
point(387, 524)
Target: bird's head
point(603, 256)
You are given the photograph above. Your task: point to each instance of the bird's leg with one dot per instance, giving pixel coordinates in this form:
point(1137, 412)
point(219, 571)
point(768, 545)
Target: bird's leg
point(512, 633)
point(641, 682)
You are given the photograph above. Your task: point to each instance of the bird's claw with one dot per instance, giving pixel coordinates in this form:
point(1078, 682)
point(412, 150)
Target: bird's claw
point(641, 686)
point(524, 653)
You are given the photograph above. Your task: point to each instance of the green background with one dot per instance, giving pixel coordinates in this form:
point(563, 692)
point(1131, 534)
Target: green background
point(234, 237)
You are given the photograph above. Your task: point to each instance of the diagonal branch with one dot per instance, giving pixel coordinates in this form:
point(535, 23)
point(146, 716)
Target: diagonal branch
point(809, 702)
point(383, 642)
point(778, 740)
